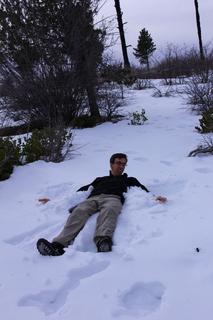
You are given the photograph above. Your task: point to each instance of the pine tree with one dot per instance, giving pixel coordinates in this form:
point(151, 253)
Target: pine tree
point(50, 54)
point(145, 47)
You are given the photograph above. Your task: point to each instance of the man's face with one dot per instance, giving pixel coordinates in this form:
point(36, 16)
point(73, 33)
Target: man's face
point(117, 168)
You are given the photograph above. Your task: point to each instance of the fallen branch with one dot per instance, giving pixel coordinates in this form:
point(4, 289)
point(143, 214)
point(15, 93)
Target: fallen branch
point(201, 149)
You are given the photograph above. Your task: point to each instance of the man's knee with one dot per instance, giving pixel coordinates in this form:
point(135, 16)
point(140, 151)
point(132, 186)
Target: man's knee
point(114, 207)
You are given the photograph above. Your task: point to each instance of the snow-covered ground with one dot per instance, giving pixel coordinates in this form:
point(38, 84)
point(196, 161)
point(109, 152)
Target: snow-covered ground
point(154, 270)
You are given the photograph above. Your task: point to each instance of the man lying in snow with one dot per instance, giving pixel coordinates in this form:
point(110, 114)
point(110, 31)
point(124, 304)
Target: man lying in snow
point(105, 197)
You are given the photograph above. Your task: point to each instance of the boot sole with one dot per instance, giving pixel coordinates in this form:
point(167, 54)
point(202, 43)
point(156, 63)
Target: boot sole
point(45, 248)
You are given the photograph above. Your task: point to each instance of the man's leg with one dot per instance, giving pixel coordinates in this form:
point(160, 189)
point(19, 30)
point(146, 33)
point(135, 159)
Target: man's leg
point(74, 224)
point(77, 220)
point(110, 206)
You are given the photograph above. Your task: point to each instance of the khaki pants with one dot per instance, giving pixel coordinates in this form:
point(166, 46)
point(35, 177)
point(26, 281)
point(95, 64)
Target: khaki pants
point(109, 206)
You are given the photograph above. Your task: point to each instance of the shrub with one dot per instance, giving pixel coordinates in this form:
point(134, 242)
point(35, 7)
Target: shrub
point(158, 93)
point(205, 146)
point(10, 152)
point(141, 84)
point(206, 123)
point(46, 144)
point(200, 94)
point(84, 121)
point(138, 118)
point(49, 144)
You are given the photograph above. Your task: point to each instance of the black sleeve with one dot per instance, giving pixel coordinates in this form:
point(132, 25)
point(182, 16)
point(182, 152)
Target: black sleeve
point(85, 188)
point(133, 182)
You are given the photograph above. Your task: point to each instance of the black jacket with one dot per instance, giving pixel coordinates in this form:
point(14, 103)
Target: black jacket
point(115, 185)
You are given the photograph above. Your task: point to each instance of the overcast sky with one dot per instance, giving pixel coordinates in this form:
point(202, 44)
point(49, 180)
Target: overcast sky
point(168, 21)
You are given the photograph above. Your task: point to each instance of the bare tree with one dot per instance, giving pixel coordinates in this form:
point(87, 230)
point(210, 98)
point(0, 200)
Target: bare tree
point(122, 35)
point(199, 29)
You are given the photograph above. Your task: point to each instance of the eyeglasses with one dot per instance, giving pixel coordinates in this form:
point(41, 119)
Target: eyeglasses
point(119, 163)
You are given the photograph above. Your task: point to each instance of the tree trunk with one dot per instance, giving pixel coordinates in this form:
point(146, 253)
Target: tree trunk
point(199, 29)
point(122, 36)
point(91, 94)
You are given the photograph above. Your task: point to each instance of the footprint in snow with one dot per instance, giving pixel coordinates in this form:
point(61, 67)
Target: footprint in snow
point(203, 170)
point(50, 301)
point(141, 299)
point(167, 163)
point(31, 236)
point(141, 159)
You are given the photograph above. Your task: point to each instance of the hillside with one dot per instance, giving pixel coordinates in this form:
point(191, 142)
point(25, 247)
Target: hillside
point(160, 267)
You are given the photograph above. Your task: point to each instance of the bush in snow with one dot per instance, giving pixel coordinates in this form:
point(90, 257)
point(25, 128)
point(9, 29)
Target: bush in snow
point(205, 146)
point(138, 118)
point(10, 153)
point(49, 144)
point(200, 93)
point(206, 123)
point(84, 121)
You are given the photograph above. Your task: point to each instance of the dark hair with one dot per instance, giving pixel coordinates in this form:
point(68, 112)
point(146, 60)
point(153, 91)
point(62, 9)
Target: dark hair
point(119, 156)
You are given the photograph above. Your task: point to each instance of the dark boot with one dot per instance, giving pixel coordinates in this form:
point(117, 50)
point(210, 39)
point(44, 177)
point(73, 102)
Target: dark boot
point(104, 244)
point(50, 249)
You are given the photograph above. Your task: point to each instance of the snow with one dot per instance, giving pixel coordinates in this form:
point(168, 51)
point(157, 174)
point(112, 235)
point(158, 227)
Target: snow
point(154, 270)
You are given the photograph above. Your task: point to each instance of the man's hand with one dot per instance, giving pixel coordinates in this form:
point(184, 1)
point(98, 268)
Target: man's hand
point(44, 200)
point(159, 198)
